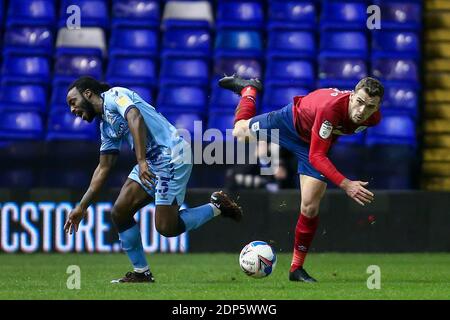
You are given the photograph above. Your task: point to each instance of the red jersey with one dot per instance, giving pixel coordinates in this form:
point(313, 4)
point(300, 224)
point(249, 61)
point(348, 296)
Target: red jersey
point(320, 117)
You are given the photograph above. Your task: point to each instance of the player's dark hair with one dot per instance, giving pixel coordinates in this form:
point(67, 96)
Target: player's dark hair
point(86, 82)
point(371, 86)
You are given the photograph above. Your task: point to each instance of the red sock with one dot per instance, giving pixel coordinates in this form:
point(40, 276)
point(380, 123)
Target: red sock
point(304, 234)
point(246, 108)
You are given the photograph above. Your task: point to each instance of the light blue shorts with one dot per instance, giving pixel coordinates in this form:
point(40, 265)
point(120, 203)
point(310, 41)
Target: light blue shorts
point(170, 183)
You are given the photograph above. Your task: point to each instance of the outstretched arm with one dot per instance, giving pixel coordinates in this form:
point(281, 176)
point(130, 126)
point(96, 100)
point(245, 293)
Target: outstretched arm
point(99, 177)
point(319, 159)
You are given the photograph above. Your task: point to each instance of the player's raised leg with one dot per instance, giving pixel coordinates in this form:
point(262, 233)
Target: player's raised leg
point(312, 191)
point(246, 109)
point(170, 221)
point(130, 200)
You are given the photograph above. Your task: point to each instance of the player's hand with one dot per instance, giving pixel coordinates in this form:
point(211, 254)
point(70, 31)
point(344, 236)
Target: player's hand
point(75, 217)
point(147, 177)
point(356, 191)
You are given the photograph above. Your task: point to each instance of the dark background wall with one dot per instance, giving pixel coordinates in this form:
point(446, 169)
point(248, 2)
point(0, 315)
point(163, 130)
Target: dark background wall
point(398, 221)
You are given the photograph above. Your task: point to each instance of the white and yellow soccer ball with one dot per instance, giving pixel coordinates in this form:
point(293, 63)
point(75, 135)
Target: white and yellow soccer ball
point(257, 259)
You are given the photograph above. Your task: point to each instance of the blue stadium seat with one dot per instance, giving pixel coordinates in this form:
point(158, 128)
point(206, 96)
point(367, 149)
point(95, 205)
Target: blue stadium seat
point(31, 13)
point(401, 98)
point(84, 41)
point(94, 13)
point(188, 15)
point(59, 93)
point(396, 70)
point(400, 15)
point(16, 125)
point(136, 42)
point(28, 40)
point(186, 42)
point(25, 69)
point(222, 121)
point(221, 99)
point(139, 71)
point(79, 51)
point(343, 44)
point(169, 24)
point(23, 98)
point(395, 44)
point(296, 15)
point(137, 13)
point(338, 15)
point(71, 66)
point(184, 71)
point(238, 43)
point(246, 68)
point(291, 72)
point(277, 96)
point(63, 125)
point(341, 73)
point(182, 99)
point(240, 14)
point(144, 91)
point(2, 12)
point(394, 129)
point(186, 121)
point(391, 175)
point(291, 43)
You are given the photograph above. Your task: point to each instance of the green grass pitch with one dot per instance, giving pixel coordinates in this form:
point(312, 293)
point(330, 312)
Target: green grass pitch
point(218, 277)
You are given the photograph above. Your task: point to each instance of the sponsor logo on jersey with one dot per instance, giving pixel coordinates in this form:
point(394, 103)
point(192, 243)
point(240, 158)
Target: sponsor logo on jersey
point(255, 126)
point(122, 101)
point(325, 129)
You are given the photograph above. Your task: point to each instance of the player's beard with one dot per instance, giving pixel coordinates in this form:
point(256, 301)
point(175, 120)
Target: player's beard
point(88, 110)
point(354, 118)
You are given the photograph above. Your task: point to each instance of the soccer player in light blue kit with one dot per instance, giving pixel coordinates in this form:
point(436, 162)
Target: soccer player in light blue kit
point(162, 172)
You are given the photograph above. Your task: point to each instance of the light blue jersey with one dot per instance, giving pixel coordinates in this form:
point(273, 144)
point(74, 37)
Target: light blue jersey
point(164, 147)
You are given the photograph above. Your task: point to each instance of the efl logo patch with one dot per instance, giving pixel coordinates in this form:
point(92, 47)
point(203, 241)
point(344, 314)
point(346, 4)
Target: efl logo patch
point(122, 101)
point(325, 129)
point(255, 126)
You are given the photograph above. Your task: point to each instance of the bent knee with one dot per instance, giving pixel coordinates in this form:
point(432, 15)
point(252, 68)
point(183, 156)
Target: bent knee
point(241, 130)
point(166, 230)
point(310, 209)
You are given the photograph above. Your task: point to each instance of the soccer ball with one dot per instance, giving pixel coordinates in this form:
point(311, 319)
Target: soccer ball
point(257, 259)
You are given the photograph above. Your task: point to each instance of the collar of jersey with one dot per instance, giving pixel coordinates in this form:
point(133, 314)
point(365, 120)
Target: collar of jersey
point(103, 106)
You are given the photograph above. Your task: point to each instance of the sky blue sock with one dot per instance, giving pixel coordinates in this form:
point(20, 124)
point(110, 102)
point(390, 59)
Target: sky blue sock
point(132, 244)
point(195, 217)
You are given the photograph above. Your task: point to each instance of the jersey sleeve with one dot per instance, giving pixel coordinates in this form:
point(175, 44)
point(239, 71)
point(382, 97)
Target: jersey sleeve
point(321, 140)
point(122, 102)
point(109, 145)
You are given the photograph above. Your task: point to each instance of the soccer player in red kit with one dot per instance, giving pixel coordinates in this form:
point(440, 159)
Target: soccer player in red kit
point(308, 127)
